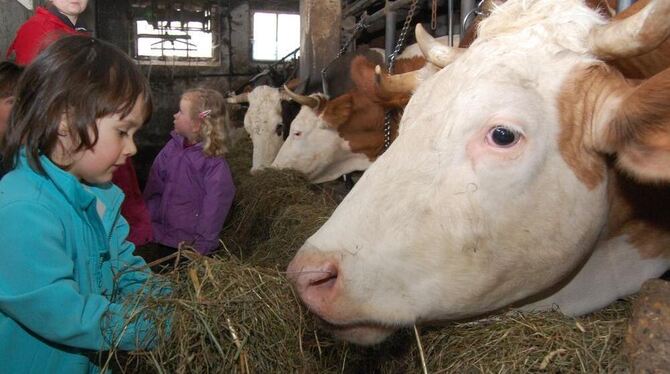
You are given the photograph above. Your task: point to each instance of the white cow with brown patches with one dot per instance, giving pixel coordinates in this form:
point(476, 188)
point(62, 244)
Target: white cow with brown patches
point(334, 136)
point(264, 123)
point(519, 177)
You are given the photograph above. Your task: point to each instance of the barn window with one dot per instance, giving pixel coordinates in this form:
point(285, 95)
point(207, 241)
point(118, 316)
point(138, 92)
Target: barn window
point(176, 35)
point(275, 35)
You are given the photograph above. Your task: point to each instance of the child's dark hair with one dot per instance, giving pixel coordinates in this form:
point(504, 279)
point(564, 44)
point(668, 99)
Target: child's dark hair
point(78, 79)
point(9, 76)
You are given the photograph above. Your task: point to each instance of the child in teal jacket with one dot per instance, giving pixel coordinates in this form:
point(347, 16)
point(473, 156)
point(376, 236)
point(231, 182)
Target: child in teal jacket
point(67, 271)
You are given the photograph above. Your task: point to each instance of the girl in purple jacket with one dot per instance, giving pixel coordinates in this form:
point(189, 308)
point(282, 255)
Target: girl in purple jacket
point(190, 189)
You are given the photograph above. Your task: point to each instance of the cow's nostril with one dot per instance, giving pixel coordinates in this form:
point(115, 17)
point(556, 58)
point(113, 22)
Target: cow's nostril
point(328, 278)
point(306, 276)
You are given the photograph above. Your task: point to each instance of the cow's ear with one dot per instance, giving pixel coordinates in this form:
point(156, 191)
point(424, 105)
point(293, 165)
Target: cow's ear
point(337, 111)
point(639, 132)
point(362, 73)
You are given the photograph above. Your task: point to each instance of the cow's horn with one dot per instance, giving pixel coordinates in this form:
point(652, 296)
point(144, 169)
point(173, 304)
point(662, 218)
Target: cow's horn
point(310, 101)
point(434, 51)
point(396, 84)
point(241, 98)
point(631, 36)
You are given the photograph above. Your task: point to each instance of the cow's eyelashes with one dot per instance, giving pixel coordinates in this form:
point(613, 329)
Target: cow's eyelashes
point(503, 137)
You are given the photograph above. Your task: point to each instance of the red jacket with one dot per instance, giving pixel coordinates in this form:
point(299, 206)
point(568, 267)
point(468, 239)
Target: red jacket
point(133, 209)
point(37, 32)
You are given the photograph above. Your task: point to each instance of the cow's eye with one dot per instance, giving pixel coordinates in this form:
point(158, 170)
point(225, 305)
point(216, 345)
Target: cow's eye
point(297, 133)
point(279, 129)
point(503, 136)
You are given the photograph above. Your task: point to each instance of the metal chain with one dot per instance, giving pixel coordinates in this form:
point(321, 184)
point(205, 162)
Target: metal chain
point(403, 34)
point(433, 16)
point(357, 29)
point(396, 51)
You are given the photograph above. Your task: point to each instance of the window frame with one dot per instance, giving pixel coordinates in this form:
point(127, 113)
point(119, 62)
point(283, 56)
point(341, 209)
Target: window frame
point(215, 31)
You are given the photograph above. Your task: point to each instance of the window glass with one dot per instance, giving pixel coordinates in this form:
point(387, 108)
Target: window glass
point(275, 35)
point(173, 39)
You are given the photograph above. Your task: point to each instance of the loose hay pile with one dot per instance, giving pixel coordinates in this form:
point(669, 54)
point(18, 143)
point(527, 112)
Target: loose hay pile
point(235, 313)
point(274, 211)
point(228, 317)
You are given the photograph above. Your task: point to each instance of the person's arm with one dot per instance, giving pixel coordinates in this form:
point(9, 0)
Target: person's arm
point(155, 185)
point(133, 209)
point(29, 40)
point(131, 271)
point(215, 205)
point(38, 288)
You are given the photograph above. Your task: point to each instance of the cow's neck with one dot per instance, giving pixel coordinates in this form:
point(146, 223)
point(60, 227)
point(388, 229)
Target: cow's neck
point(364, 131)
point(641, 212)
point(345, 162)
point(634, 247)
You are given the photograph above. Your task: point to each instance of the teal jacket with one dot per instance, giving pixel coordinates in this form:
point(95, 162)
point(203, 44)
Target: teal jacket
point(64, 273)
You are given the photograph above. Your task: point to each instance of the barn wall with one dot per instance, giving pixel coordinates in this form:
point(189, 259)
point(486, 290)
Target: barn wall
point(12, 15)
point(168, 82)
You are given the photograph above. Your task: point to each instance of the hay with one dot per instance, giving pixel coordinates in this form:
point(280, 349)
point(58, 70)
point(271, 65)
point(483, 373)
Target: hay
point(274, 211)
point(526, 343)
point(230, 317)
point(236, 313)
point(227, 317)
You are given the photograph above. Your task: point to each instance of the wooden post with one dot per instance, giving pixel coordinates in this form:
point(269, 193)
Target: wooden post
point(319, 36)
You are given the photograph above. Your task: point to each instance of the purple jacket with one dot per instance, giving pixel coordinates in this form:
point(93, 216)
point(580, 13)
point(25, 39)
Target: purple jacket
point(188, 195)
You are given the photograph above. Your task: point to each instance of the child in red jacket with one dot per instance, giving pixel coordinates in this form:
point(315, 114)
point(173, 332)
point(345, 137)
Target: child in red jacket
point(58, 18)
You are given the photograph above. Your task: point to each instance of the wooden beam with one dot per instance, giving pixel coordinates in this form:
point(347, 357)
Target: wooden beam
point(319, 36)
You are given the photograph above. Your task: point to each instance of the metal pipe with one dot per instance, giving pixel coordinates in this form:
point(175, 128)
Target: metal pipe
point(389, 36)
point(357, 7)
point(390, 6)
point(623, 4)
point(450, 12)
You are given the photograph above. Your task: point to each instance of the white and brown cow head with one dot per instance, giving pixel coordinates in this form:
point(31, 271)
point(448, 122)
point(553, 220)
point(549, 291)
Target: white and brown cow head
point(332, 137)
point(264, 122)
point(497, 187)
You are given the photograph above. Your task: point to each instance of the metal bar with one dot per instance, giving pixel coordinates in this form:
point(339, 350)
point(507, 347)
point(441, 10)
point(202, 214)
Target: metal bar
point(390, 6)
point(389, 36)
point(450, 5)
point(357, 7)
point(623, 4)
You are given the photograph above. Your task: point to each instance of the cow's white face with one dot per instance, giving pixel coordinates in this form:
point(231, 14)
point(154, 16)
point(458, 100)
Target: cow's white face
point(316, 149)
point(263, 122)
point(472, 207)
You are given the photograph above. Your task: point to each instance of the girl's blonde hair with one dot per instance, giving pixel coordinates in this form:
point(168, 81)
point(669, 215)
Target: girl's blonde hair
point(208, 106)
